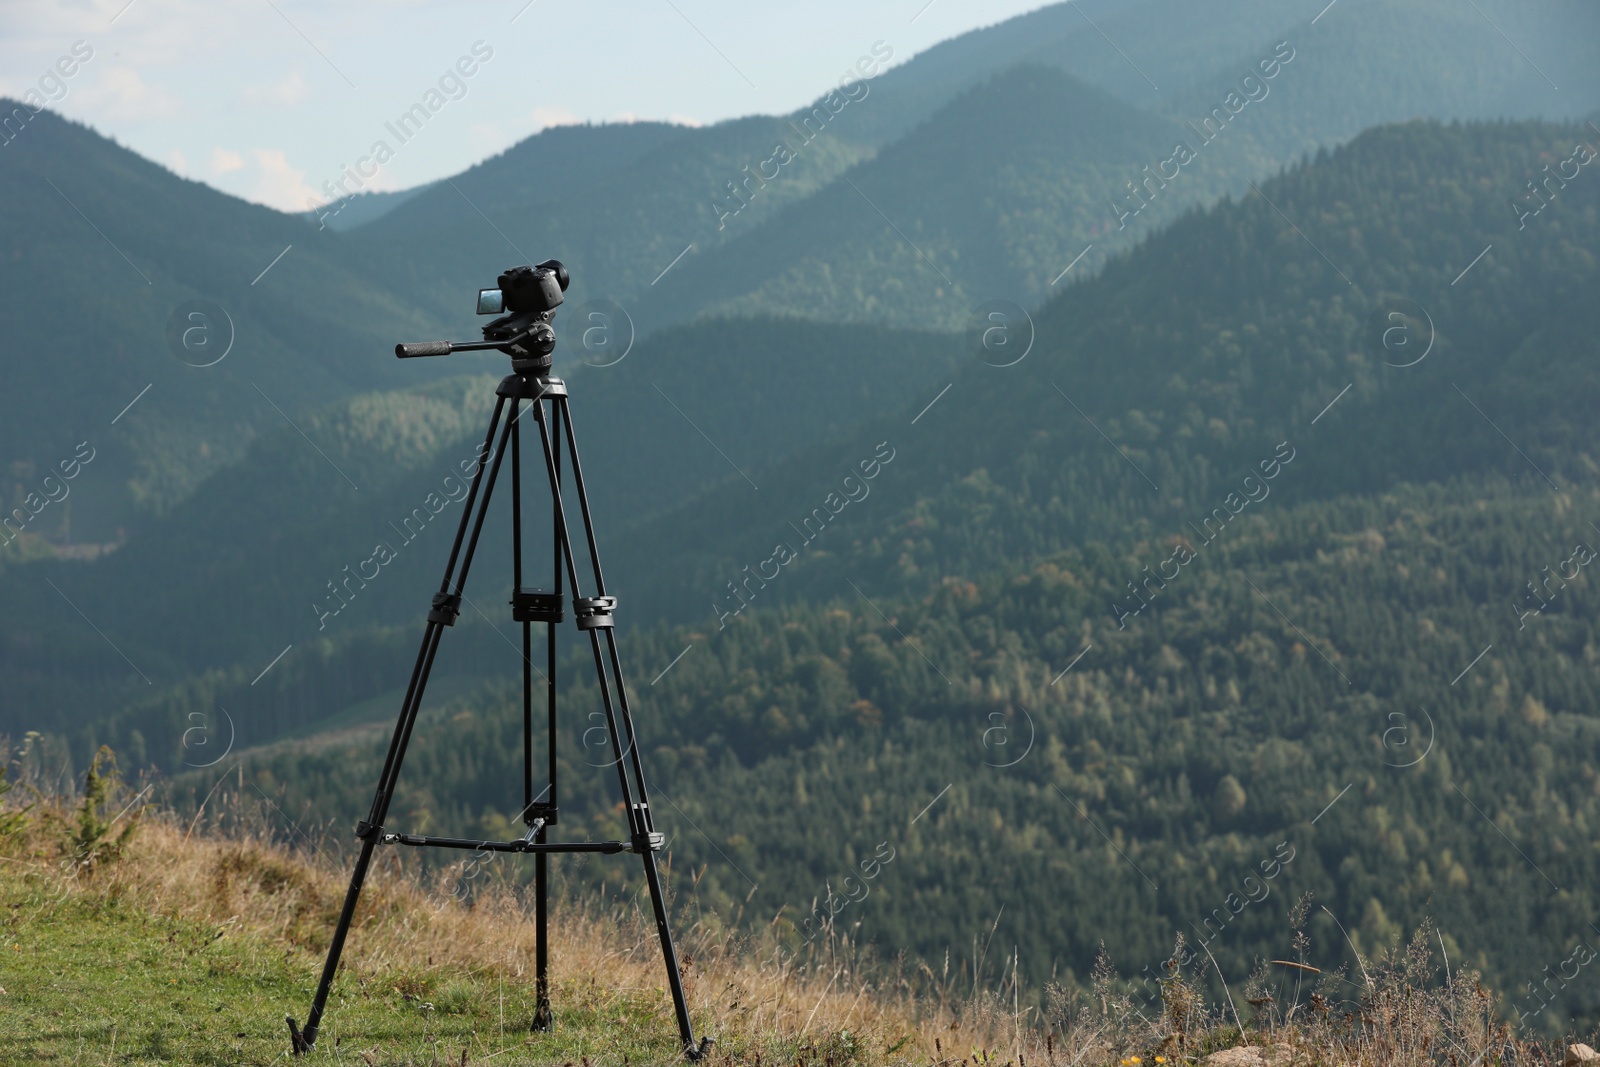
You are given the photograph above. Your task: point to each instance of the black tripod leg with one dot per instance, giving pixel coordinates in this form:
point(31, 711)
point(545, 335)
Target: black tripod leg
point(371, 829)
point(516, 584)
point(543, 1020)
point(627, 758)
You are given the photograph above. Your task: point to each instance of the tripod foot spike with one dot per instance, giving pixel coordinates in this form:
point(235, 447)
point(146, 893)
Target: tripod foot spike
point(544, 1021)
point(297, 1040)
point(695, 1055)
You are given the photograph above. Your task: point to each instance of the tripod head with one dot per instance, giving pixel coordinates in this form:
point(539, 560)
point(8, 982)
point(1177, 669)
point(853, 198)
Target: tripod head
point(529, 296)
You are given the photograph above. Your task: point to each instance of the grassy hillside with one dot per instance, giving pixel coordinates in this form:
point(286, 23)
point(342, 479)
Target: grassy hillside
point(191, 949)
point(155, 943)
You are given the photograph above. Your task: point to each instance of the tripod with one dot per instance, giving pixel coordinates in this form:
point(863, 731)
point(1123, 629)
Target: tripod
point(546, 398)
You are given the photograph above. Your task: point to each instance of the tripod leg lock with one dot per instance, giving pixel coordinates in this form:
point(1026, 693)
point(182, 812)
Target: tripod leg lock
point(648, 842)
point(446, 608)
point(365, 830)
point(594, 612)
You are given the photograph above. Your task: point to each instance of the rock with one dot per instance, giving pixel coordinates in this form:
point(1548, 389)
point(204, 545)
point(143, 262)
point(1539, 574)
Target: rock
point(1235, 1057)
point(1251, 1056)
point(1580, 1054)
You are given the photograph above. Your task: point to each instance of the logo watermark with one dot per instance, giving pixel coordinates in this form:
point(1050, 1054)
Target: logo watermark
point(600, 333)
point(1399, 332)
point(200, 333)
point(1000, 333)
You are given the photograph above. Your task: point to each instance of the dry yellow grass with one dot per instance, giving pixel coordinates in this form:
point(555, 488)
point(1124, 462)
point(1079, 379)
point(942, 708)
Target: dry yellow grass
point(414, 939)
point(192, 944)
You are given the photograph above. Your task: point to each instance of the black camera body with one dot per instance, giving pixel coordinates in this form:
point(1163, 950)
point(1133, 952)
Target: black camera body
point(526, 302)
point(534, 289)
point(531, 296)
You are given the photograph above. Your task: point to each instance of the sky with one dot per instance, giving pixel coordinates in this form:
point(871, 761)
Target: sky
point(271, 99)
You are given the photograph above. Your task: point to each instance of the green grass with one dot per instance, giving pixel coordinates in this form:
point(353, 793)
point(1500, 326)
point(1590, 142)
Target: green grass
point(128, 938)
point(101, 979)
point(161, 945)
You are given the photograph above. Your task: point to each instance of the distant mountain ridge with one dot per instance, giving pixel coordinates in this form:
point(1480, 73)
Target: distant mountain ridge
point(1353, 69)
point(102, 250)
point(850, 230)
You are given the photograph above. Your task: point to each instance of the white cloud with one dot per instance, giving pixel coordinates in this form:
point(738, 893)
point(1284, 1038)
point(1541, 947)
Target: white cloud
point(222, 161)
point(681, 120)
point(119, 94)
point(546, 117)
point(286, 93)
point(485, 137)
point(280, 185)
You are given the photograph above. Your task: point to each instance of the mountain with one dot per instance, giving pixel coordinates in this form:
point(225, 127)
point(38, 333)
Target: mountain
point(617, 203)
point(1154, 53)
point(1021, 770)
point(1198, 353)
point(280, 530)
point(362, 208)
point(1045, 118)
point(674, 222)
point(987, 194)
point(104, 253)
point(1341, 626)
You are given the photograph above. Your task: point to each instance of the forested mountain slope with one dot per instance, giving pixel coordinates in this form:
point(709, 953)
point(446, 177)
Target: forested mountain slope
point(103, 253)
point(1153, 389)
point(269, 553)
point(1307, 706)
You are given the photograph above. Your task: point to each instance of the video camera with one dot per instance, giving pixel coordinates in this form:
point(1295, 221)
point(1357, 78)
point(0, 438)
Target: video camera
point(526, 298)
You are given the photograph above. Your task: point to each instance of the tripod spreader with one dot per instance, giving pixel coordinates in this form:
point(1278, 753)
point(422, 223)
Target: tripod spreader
point(652, 842)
